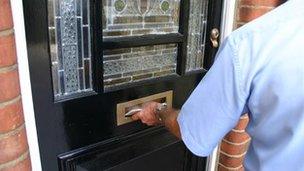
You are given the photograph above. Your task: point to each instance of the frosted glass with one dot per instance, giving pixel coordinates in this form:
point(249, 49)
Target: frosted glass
point(127, 65)
point(69, 32)
point(196, 34)
point(140, 17)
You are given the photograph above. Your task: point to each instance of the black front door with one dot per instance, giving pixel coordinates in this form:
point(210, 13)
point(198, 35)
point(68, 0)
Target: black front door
point(91, 61)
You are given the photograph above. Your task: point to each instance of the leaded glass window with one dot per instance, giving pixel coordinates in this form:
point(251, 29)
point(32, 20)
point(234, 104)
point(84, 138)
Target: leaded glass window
point(127, 65)
point(140, 17)
point(196, 34)
point(131, 18)
point(69, 39)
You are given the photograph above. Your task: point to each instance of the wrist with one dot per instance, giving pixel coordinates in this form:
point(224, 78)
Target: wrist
point(165, 116)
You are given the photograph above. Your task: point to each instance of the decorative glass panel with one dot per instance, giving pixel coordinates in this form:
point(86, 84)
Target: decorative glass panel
point(127, 65)
point(140, 17)
point(197, 34)
point(69, 36)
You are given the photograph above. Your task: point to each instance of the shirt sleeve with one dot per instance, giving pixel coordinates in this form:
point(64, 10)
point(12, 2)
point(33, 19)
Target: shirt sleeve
point(216, 104)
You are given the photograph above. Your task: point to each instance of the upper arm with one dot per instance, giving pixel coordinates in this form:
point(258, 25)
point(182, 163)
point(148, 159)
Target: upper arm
point(215, 105)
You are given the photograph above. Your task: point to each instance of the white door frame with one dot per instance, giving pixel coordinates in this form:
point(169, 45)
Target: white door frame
point(25, 84)
point(227, 25)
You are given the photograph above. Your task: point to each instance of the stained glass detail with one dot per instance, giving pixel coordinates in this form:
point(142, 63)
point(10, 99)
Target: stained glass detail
point(69, 40)
point(165, 6)
point(119, 5)
point(128, 65)
point(140, 17)
point(196, 34)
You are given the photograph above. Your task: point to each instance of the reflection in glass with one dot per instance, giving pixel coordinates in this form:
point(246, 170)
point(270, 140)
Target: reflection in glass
point(197, 34)
point(127, 65)
point(140, 17)
point(69, 32)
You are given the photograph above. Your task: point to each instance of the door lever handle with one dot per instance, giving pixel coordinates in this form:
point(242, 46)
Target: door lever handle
point(215, 33)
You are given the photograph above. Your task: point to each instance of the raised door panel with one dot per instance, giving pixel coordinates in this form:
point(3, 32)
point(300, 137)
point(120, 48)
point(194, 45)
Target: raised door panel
point(154, 149)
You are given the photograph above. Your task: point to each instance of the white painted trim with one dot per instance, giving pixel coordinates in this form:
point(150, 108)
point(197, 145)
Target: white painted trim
point(228, 13)
point(212, 160)
point(25, 84)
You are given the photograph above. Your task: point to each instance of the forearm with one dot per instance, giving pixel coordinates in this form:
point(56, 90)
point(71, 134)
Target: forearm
point(169, 119)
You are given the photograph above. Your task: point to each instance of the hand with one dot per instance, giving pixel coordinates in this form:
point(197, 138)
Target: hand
point(148, 114)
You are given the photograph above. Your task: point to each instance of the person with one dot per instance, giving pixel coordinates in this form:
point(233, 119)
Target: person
point(259, 70)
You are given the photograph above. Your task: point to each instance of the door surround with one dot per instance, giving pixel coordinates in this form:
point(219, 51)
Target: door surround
point(17, 10)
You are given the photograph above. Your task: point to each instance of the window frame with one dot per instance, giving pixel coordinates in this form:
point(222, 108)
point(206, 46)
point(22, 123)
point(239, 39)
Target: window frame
point(101, 44)
point(181, 39)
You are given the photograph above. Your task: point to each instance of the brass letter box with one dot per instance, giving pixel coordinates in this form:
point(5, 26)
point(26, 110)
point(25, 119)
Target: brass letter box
point(123, 108)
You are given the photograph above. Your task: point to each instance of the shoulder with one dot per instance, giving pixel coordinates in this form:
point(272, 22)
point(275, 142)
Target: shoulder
point(254, 42)
point(268, 24)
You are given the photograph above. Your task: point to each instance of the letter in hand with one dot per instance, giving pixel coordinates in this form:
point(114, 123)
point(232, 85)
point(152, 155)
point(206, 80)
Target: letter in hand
point(148, 115)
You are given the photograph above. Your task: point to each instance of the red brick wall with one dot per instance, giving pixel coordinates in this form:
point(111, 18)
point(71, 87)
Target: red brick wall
point(14, 153)
point(234, 145)
point(248, 10)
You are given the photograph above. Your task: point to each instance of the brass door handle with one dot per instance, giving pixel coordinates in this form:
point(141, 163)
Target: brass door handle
point(215, 34)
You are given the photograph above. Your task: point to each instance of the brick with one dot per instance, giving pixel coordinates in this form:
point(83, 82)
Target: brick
point(11, 116)
point(238, 25)
point(117, 33)
point(162, 73)
point(236, 137)
point(242, 124)
point(246, 14)
point(157, 19)
point(233, 162)
point(6, 19)
point(221, 168)
point(143, 31)
point(9, 87)
point(24, 165)
point(234, 149)
point(117, 81)
point(13, 145)
point(7, 50)
point(268, 3)
point(143, 76)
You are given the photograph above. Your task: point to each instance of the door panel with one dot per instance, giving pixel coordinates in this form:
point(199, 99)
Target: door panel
point(82, 65)
point(141, 151)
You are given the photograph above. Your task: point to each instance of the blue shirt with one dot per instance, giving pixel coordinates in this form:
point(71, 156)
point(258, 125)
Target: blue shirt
point(259, 69)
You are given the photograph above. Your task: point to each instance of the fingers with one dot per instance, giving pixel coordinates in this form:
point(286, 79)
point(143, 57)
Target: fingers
point(135, 116)
point(150, 105)
point(148, 114)
point(146, 117)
